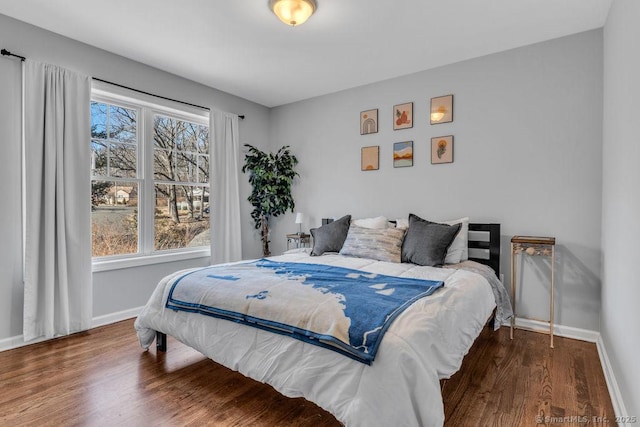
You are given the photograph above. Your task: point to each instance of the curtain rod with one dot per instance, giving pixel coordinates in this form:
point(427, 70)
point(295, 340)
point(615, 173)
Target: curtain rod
point(157, 96)
point(5, 52)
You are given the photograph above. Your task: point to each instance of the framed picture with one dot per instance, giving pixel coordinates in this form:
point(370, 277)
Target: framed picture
point(369, 122)
point(403, 116)
point(441, 109)
point(402, 154)
point(442, 149)
point(370, 158)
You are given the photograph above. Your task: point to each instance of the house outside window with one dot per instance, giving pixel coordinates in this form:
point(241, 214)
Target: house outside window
point(149, 180)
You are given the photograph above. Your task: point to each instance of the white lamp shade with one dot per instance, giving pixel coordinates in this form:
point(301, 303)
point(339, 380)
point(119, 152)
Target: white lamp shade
point(299, 218)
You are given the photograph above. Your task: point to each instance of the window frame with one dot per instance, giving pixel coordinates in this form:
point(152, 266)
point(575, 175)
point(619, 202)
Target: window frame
point(147, 108)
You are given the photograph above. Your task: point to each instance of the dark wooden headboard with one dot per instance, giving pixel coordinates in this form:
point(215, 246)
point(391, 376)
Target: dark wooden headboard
point(484, 245)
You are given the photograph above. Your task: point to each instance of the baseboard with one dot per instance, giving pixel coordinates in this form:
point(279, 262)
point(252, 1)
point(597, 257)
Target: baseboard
point(107, 319)
point(612, 384)
point(18, 341)
point(559, 330)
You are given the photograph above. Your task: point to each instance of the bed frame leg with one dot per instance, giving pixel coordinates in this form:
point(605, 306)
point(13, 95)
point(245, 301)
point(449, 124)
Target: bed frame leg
point(161, 341)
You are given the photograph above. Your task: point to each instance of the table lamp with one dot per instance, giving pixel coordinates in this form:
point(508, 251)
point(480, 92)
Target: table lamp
point(299, 220)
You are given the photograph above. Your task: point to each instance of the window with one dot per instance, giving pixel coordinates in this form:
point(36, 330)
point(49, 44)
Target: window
point(181, 183)
point(115, 183)
point(149, 178)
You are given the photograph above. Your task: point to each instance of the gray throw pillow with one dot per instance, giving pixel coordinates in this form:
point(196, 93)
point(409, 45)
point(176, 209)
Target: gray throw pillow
point(426, 242)
point(330, 237)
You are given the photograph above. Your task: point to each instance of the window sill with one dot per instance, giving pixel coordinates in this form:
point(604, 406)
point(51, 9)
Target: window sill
point(142, 260)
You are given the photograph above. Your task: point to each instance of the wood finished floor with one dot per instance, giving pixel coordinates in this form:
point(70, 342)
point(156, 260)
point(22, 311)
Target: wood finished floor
point(103, 378)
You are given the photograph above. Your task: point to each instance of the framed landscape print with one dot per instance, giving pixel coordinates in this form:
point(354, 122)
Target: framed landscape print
point(441, 109)
point(403, 154)
point(442, 149)
point(369, 122)
point(403, 116)
point(370, 158)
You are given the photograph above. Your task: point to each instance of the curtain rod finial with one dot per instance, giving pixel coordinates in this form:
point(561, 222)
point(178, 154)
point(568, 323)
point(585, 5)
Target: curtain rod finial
point(5, 52)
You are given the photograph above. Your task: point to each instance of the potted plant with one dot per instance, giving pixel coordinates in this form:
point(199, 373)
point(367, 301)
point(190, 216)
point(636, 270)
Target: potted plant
point(271, 176)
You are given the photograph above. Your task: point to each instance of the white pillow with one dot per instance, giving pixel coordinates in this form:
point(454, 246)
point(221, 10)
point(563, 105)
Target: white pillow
point(377, 222)
point(459, 249)
point(402, 223)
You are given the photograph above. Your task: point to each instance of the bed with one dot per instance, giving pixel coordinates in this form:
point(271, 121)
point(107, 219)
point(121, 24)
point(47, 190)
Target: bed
point(424, 343)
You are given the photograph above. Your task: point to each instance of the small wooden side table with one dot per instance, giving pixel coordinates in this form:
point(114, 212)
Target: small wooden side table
point(298, 240)
point(533, 246)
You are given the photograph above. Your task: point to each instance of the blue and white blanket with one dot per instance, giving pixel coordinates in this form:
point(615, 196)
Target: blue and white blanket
point(339, 308)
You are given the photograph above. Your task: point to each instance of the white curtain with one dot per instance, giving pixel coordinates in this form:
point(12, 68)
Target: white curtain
point(57, 190)
point(226, 240)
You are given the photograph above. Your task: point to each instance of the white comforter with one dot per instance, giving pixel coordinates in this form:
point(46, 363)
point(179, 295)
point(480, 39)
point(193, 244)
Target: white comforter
point(423, 345)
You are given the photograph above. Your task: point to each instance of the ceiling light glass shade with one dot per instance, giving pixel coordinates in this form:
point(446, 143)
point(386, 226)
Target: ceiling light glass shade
point(293, 12)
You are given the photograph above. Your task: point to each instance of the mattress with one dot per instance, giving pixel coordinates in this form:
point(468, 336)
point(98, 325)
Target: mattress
point(424, 344)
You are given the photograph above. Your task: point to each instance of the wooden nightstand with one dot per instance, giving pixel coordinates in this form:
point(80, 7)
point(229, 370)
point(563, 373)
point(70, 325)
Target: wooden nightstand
point(533, 246)
point(298, 240)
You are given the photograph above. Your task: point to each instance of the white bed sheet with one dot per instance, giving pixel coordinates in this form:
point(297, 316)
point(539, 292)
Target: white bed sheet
point(426, 343)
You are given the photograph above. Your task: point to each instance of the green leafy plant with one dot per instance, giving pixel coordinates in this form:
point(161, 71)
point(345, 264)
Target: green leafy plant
point(271, 176)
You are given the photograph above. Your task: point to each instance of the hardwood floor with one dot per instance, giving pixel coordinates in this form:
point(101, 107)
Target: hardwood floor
point(103, 378)
point(525, 383)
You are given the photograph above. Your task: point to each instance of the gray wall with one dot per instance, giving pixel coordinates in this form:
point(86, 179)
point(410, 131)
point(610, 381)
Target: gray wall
point(621, 199)
point(527, 154)
point(10, 214)
point(115, 290)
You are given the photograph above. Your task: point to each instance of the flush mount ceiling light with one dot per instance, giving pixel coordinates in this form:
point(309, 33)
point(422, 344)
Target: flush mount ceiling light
point(293, 12)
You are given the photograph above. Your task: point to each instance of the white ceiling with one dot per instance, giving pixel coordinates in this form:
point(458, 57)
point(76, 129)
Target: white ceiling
point(240, 47)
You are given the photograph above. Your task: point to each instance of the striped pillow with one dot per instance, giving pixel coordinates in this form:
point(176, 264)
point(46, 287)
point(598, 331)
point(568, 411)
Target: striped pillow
point(383, 244)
